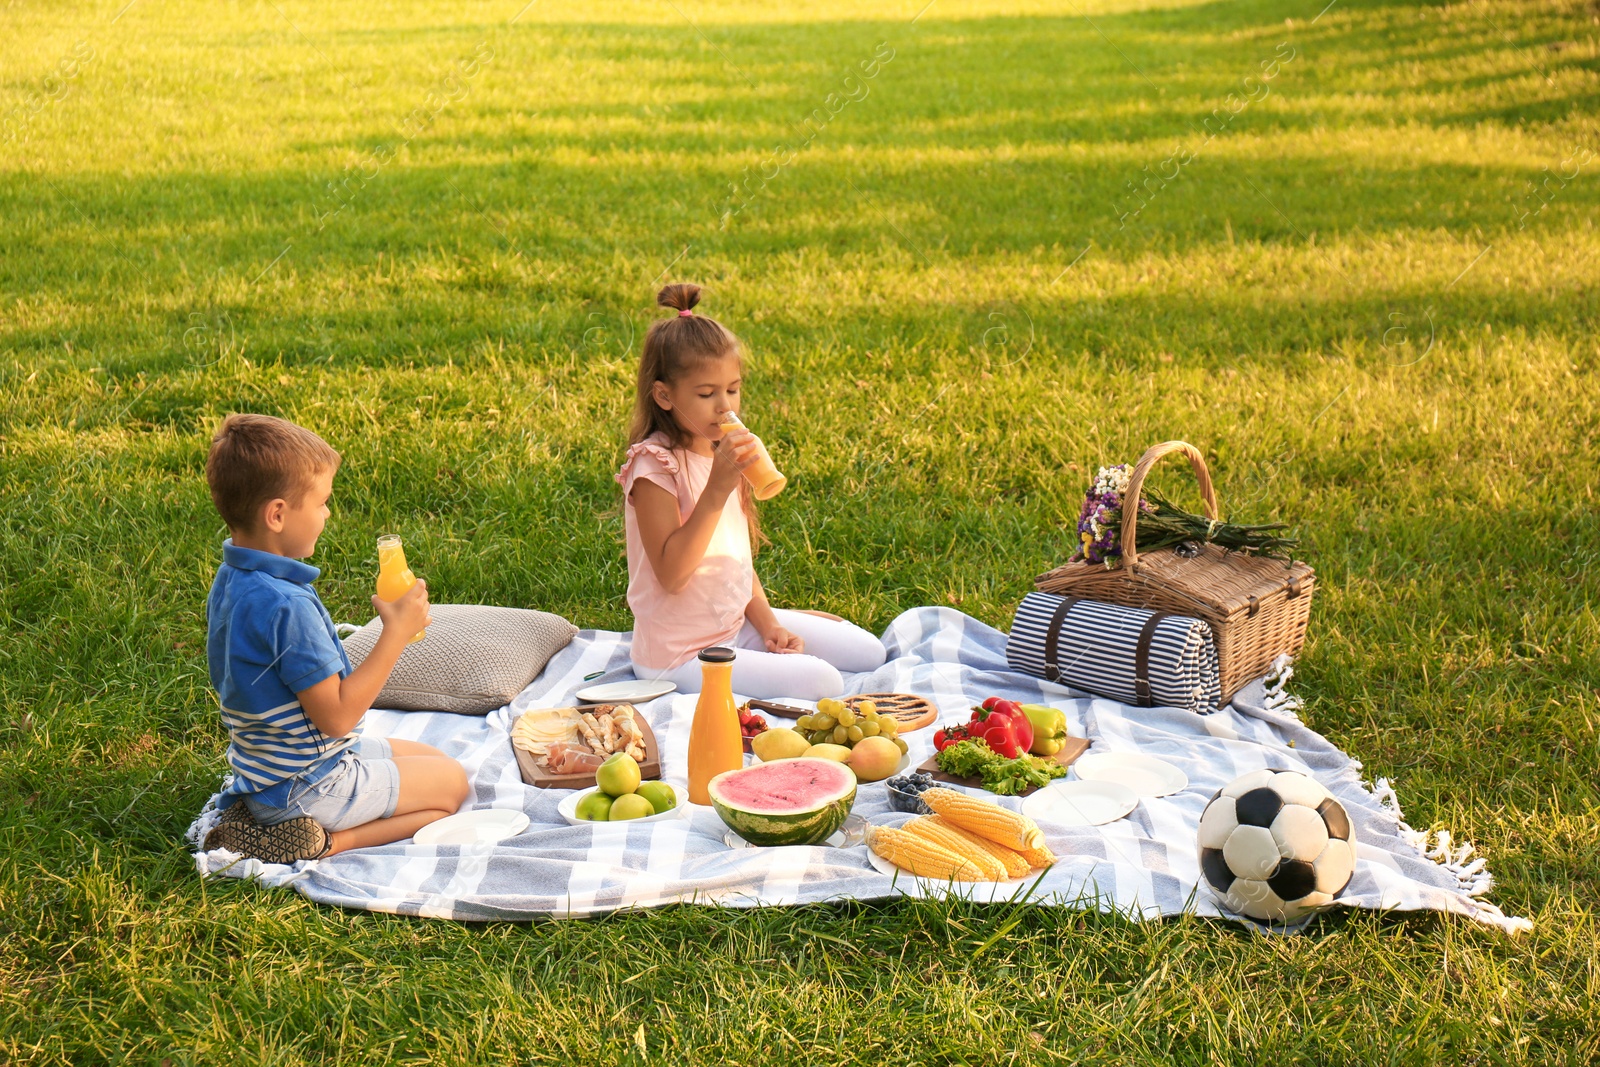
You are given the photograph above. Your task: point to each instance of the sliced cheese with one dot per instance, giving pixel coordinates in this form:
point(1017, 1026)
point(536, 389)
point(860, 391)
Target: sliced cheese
point(535, 731)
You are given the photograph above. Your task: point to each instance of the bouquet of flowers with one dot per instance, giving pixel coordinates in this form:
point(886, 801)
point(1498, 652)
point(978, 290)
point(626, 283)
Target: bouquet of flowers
point(1162, 525)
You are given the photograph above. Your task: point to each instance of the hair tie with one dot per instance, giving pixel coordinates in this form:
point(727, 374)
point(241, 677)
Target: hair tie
point(685, 313)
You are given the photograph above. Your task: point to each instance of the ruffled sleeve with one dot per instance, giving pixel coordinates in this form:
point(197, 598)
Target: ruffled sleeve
point(649, 459)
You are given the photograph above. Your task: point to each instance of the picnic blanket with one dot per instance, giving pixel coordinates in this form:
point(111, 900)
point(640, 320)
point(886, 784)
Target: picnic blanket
point(1143, 866)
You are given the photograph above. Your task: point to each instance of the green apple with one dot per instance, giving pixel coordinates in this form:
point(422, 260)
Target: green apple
point(660, 796)
point(631, 806)
point(596, 807)
point(618, 776)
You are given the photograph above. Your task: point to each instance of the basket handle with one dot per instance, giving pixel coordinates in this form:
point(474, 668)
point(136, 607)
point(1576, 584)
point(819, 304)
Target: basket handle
point(1130, 515)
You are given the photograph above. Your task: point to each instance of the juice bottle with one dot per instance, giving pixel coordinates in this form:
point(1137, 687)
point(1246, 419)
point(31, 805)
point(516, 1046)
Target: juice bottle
point(763, 474)
point(394, 577)
point(715, 744)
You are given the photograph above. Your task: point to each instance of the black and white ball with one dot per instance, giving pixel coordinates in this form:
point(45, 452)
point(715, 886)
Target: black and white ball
point(1275, 845)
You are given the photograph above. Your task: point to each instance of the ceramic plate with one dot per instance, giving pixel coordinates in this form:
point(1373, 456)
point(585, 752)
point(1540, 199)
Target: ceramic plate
point(1145, 775)
point(1080, 803)
point(850, 833)
point(568, 808)
point(481, 826)
point(635, 691)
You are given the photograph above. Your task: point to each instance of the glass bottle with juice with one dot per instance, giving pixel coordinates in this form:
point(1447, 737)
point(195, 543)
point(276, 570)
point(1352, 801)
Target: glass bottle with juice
point(715, 744)
point(764, 476)
point(394, 577)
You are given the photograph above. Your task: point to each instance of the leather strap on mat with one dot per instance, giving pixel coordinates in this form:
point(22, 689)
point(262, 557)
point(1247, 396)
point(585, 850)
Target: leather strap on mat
point(1052, 637)
point(1141, 659)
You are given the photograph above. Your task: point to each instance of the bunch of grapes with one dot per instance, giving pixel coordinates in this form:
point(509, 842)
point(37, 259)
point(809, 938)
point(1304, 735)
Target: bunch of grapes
point(835, 724)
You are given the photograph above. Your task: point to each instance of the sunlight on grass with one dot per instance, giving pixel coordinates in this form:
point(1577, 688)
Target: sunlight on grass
point(1364, 297)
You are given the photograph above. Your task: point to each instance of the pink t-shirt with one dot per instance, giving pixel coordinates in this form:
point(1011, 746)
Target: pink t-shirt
point(671, 628)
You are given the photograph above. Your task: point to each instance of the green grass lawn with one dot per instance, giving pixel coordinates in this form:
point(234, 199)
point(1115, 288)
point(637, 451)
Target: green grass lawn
point(1037, 239)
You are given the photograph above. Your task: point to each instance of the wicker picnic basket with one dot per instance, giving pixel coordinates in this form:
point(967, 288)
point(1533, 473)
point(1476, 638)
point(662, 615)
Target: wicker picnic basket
point(1257, 607)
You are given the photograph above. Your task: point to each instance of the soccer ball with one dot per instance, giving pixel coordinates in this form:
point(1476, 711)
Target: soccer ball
point(1275, 845)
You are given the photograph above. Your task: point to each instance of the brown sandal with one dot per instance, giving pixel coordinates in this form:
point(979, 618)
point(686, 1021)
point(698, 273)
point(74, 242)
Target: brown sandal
point(285, 842)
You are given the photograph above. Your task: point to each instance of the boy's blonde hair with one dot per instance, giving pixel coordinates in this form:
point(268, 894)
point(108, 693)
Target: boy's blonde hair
point(257, 458)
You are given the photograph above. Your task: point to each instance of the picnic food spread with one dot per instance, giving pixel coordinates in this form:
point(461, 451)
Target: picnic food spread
point(1271, 848)
point(576, 741)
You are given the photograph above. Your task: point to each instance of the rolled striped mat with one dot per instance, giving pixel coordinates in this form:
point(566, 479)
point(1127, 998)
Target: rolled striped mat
point(1144, 658)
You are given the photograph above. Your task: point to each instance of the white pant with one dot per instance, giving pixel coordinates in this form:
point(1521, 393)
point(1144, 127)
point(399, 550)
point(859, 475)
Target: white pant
point(831, 647)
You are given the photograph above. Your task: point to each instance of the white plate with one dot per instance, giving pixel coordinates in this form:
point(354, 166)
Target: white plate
point(481, 826)
point(568, 809)
point(1080, 803)
point(630, 692)
point(1145, 775)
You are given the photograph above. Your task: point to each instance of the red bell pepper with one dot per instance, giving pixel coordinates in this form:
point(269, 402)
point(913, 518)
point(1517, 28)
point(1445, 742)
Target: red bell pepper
point(998, 709)
point(1002, 737)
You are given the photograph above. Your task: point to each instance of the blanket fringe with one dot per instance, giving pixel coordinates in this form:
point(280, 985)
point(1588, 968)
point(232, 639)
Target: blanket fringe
point(1471, 873)
point(1278, 698)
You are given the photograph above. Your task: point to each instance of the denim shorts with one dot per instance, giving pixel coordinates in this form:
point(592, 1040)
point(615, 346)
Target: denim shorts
point(363, 786)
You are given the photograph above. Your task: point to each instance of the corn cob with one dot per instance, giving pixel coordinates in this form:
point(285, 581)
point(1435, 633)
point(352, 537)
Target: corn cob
point(952, 839)
point(989, 821)
point(1039, 857)
point(1015, 864)
point(915, 854)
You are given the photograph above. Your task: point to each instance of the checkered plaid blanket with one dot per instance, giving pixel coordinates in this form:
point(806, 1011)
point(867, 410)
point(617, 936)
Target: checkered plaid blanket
point(1143, 866)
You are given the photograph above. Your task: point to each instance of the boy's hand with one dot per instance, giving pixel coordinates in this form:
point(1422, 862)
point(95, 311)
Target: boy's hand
point(407, 615)
point(732, 454)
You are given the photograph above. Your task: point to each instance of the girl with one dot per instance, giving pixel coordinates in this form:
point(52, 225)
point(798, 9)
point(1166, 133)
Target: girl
point(691, 526)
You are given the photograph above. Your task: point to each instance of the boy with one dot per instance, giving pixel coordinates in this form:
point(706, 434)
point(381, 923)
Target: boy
point(307, 783)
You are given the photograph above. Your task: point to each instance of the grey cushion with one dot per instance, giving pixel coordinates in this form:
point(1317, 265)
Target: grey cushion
point(474, 659)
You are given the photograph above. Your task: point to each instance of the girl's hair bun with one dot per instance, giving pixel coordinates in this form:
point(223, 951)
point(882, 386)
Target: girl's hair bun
point(680, 296)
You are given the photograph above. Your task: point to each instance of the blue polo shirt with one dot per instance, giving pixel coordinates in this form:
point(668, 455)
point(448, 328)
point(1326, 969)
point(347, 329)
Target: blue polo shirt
point(269, 638)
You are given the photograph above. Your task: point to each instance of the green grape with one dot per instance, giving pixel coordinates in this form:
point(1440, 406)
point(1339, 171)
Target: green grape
point(841, 736)
point(805, 723)
point(846, 718)
point(855, 733)
point(820, 737)
point(869, 729)
point(890, 727)
point(829, 706)
point(868, 712)
point(902, 746)
point(824, 722)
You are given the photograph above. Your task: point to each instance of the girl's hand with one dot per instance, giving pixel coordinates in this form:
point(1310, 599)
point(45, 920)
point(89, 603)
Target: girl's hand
point(729, 458)
point(782, 641)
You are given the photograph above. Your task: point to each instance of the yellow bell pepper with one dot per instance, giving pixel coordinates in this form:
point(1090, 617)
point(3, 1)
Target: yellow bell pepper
point(1049, 728)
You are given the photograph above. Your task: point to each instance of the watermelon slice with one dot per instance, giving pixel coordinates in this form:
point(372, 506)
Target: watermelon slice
point(787, 802)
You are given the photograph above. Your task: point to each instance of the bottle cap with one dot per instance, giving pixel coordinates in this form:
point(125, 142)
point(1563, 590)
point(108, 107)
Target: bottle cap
point(717, 654)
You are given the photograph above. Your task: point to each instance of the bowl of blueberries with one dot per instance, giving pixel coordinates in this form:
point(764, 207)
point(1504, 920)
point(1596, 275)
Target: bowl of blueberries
point(905, 792)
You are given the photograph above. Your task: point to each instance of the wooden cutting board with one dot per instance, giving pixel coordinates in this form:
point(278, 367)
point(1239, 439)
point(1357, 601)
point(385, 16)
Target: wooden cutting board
point(535, 774)
point(1075, 747)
